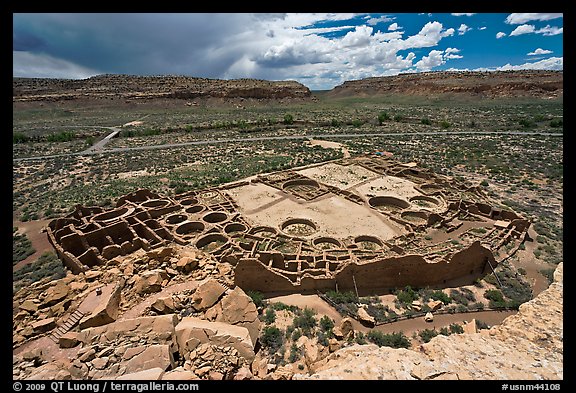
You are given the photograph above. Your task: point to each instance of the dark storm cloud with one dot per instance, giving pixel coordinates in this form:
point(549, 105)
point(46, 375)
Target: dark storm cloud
point(134, 43)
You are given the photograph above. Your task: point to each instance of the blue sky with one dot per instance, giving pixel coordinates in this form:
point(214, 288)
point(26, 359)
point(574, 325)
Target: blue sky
point(318, 50)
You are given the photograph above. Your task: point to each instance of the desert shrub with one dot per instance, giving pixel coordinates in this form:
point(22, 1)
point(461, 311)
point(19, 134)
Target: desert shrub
point(288, 119)
point(342, 297)
point(427, 334)
point(357, 123)
point(439, 295)
point(279, 306)
point(360, 338)
point(398, 117)
point(48, 265)
point(406, 296)
point(426, 121)
point(556, 123)
point(455, 328)
point(269, 316)
point(382, 117)
point(445, 124)
point(444, 331)
point(526, 123)
point(335, 123)
point(21, 247)
point(64, 136)
point(19, 137)
point(549, 274)
point(272, 338)
point(394, 340)
point(294, 353)
point(257, 298)
point(496, 298)
point(305, 320)
point(326, 324)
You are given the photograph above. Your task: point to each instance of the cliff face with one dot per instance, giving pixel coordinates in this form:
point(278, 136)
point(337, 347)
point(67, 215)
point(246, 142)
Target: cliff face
point(527, 345)
point(533, 83)
point(150, 87)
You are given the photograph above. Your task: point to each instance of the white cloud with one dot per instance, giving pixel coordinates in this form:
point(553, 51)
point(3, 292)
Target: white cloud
point(528, 29)
point(540, 51)
point(516, 19)
point(394, 26)
point(429, 35)
point(34, 65)
point(500, 35)
point(434, 59)
point(463, 14)
point(552, 63)
point(523, 29)
point(450, 53)
point(359, 37)
point(547, 31)
point(463, 29)
point(384, 18)
point(482, 28)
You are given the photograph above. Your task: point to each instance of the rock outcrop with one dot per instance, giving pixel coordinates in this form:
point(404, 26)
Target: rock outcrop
point(527, 345)
point(535, 83)
point(153, 87)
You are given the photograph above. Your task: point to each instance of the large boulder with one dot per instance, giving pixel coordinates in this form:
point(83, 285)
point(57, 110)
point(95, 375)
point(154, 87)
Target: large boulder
point(152, 374)
point(106, 310)
point(191, 332)
point(29, 306)
point(343, 330)
point(207, 294)
point(158, 329)
point(55, 294)
point(365, 317)
point(150, 281)
point(239, 309)
point(153, 356)
point(44, 325)
point(186, 264)
point(163, 305)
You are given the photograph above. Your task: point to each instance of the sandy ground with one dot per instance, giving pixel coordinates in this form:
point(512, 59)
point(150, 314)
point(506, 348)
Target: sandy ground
point(133, 123)
point(329, 145)
point(39, 239)
point(339, 176)
point(388, 186)
point(333, 216)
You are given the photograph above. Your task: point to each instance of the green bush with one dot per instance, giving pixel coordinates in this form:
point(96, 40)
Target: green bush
point(526, 123)
point(360, 338)
point(257, 298)
point(335, 123)
point(427, 334)
point(406, 296)
point(64, 136)
point(445, 124)
point(357, 123)
point(279, 306)
point(294, 353)
point(496, 298)
point(326, 324)
point(305, 320)
point(426, 121)
point(556, 123)
point(288, 119)
point(382, 117)
point(456, 328)
point(342, 297)
point(19, 137)
point(21, 247)
point(439, 295)
point(398, 117)
point(394, 340)
point(549, 274)
point(272, 338)
point(269, 316)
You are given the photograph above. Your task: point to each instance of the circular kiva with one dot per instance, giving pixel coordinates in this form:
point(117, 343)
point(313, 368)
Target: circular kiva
point(416, 217)
point(388, 203)
point(188, 201)
point(308, 183)
point(368, 242)
point(327, 243)
point(425, 201)
point(211, 242)
point(190, 227)
point(235, 227)
point(113, 214)
point(176, 218)
point(155, 203)
point(263, 231)
point(430, 188)
point(215, 217)
point(194, 209)
point(298, 227)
